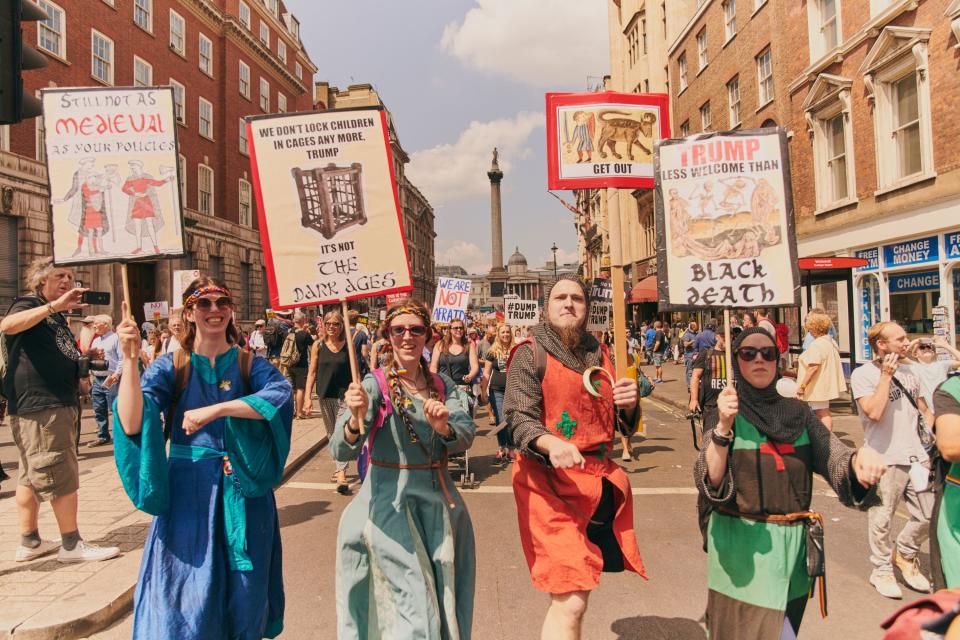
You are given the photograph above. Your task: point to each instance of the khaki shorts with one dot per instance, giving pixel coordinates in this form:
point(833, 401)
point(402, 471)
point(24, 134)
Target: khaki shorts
point(46, 441)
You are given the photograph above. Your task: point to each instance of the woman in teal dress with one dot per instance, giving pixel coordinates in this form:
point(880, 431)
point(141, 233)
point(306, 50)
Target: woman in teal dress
point(212, 566)
point(405, 561)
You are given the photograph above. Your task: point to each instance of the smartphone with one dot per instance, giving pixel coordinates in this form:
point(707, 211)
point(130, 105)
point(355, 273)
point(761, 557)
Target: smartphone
point(95, 297)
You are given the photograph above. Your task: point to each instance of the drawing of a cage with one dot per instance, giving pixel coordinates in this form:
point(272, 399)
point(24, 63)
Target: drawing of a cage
point(331, 198)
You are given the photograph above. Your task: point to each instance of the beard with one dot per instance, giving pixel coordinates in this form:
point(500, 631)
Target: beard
point(571, 337)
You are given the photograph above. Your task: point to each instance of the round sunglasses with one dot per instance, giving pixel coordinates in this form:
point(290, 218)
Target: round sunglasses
point(749, 354)
point(205, 304)
point(416, 330)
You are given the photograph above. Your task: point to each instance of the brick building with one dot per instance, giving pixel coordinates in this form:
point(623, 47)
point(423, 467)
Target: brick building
point(861, 87)
point(418, 217)
point(225, 59)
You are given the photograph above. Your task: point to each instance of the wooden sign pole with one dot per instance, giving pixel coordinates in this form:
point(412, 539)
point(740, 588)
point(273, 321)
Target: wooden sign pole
point(728, 347)
point(616, 280)
point(352, 353)
point(125, 280)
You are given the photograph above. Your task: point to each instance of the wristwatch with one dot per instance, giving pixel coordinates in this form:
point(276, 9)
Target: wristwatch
point(721, 440)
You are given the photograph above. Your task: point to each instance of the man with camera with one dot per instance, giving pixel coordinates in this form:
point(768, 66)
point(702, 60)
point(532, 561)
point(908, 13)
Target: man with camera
point(106, 348)
point(893, 413)
point(41, 386)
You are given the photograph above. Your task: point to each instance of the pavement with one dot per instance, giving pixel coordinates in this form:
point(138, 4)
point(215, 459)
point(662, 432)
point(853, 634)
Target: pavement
point(46, 599)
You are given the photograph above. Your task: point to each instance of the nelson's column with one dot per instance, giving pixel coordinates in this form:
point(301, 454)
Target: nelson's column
point(498, 275)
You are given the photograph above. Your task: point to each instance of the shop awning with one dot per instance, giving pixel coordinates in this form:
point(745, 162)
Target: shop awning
point(643, 291)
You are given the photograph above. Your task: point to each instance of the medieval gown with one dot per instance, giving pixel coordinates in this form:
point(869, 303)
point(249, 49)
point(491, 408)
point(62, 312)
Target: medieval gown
point(405, 555)
point(211, 563)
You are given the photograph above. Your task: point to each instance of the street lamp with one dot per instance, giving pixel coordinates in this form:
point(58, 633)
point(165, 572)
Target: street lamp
point(554, 249)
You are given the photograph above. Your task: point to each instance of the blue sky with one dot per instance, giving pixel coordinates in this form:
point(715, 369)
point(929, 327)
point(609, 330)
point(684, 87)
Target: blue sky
point(460, 77)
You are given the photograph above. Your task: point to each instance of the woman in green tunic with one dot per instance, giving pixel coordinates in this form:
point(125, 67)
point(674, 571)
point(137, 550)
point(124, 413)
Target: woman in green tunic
point(757, 475)
point(405, 562)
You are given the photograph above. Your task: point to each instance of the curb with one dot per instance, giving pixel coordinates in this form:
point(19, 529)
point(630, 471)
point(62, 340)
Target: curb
point(96, 621)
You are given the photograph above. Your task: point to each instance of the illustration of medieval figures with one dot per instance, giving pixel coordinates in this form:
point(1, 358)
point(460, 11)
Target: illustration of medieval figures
point(581, 139)
point(705, 198)
point(679, 222)
point(734, 200)
point(763, 202)
point(144, 215)
point(89, 208)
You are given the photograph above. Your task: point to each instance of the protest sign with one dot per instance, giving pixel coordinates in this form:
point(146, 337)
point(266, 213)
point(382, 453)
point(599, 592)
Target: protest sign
point(182, 280)
point(725, 225)
point(394, 298)
point(601, 305)
point(451, 300)
point(156, 310)
point(330, 221)
point(604, 139)
point(112, 169)
point(521, 313)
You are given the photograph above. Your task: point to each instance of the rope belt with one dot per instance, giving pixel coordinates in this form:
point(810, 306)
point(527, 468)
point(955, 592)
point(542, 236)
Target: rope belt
point(234, 504)
point(808, 518)
point(439, 465)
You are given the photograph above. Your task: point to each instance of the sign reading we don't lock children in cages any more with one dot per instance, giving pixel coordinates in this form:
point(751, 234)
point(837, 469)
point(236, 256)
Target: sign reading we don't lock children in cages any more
point(328, 207)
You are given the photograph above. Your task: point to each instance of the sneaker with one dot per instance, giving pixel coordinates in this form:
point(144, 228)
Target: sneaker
point(626, 457)
point(99, 442)
point(911, 573)
point(343, 489)
point(886, 585)
point(26, 553)
point(86, 552)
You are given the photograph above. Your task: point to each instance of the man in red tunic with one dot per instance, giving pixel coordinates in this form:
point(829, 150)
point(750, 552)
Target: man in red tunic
point(144, 217)
point(574, 503)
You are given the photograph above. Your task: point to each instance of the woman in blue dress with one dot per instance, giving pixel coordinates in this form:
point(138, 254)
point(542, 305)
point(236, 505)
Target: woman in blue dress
point(211, 563)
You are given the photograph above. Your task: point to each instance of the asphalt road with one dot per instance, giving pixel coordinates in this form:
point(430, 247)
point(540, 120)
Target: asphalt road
point(667, 607)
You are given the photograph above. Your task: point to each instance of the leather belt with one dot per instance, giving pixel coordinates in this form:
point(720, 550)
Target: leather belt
point(439, 465)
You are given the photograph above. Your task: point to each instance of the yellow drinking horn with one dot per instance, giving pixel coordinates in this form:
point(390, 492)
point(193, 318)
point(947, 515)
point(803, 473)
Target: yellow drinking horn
point(588, 374)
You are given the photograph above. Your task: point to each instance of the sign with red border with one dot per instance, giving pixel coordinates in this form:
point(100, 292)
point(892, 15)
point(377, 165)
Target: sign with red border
point(604, 139)
point(327, 202)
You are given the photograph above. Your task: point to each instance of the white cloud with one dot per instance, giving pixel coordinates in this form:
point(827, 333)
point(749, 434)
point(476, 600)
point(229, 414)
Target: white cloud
point(563, 257)
point(538, 43)
point(465, 254)
point(449, 172)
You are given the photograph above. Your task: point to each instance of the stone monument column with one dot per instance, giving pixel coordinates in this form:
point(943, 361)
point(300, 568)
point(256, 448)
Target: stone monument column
point(496, 222)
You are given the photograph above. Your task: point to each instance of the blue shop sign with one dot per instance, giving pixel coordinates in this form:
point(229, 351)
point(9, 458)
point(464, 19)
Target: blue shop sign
point(919, 281)
point(919, 251)
point(872, 256)
point(951, 245)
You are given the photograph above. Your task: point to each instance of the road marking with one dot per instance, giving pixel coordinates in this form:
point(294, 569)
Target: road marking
point(493, 488)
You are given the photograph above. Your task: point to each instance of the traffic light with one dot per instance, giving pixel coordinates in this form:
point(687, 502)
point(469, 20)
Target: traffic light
point(16, 57)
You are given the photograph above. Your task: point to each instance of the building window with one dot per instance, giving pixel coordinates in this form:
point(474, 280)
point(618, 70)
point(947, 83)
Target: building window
point(243, 138)
point(142, 73)
point(685, 129)
point(264, 95)
point(52, 32)
point(143, 14)
point(178, 33)
point(643, 32)
point(182, 161)
point(206, 119)
point(682, 66)
point(246, 302)
point(895, 72)
point(829, 24)
point(216, 267)
point(827, 110)
point(282, 50)
point(41, 141)
point(265, 34)
point(281, 103)
point(836, 157)
point(733, 101)
point(179, 101)
point(204, 189)
point(705, 119)
point(101, 66)
point(729, 19)
point(274, 6)
point(206, 55)
point(632, 44)
point(298, 70)
point(244, 14)
point(246, 210)
point(702, 49)
point(764, 77)
point(244, 80)
point(294, 25)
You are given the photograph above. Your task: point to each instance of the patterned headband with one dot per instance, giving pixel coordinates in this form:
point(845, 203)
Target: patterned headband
point(417, 311)
point(204, 291)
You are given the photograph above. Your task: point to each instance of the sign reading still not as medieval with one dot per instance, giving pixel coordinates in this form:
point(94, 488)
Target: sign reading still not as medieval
point(112, 166)
point(725, 226)
point(604, 139)
point(328, 207)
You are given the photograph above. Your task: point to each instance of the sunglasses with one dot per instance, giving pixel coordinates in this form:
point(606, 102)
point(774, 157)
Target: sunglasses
point(205, 304)
point(749, 354)
point(925, 347)
point(416, 330)
point(456, 328)
point(333, 324)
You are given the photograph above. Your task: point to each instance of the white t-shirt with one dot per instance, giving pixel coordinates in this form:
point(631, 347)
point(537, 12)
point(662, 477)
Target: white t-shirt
point(172, 345)
point(769, 327)
point(894, 435)
point(931, 375)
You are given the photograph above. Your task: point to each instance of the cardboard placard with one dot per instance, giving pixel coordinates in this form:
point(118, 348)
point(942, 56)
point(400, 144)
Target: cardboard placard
point(330, 220)
point(156, 310)
point(112, 168)
point(182, 280)
point(605, 139)
point(394, 298)
point(450, 303)
point(725, 223)
point(521, 313)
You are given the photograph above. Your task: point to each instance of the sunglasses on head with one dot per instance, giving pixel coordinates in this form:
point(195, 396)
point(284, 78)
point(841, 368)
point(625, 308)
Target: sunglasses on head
point(205, 304)
point(749, 354)
point(416, 330)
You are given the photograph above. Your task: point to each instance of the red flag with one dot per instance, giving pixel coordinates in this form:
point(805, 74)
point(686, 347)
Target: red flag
point(569, 206)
